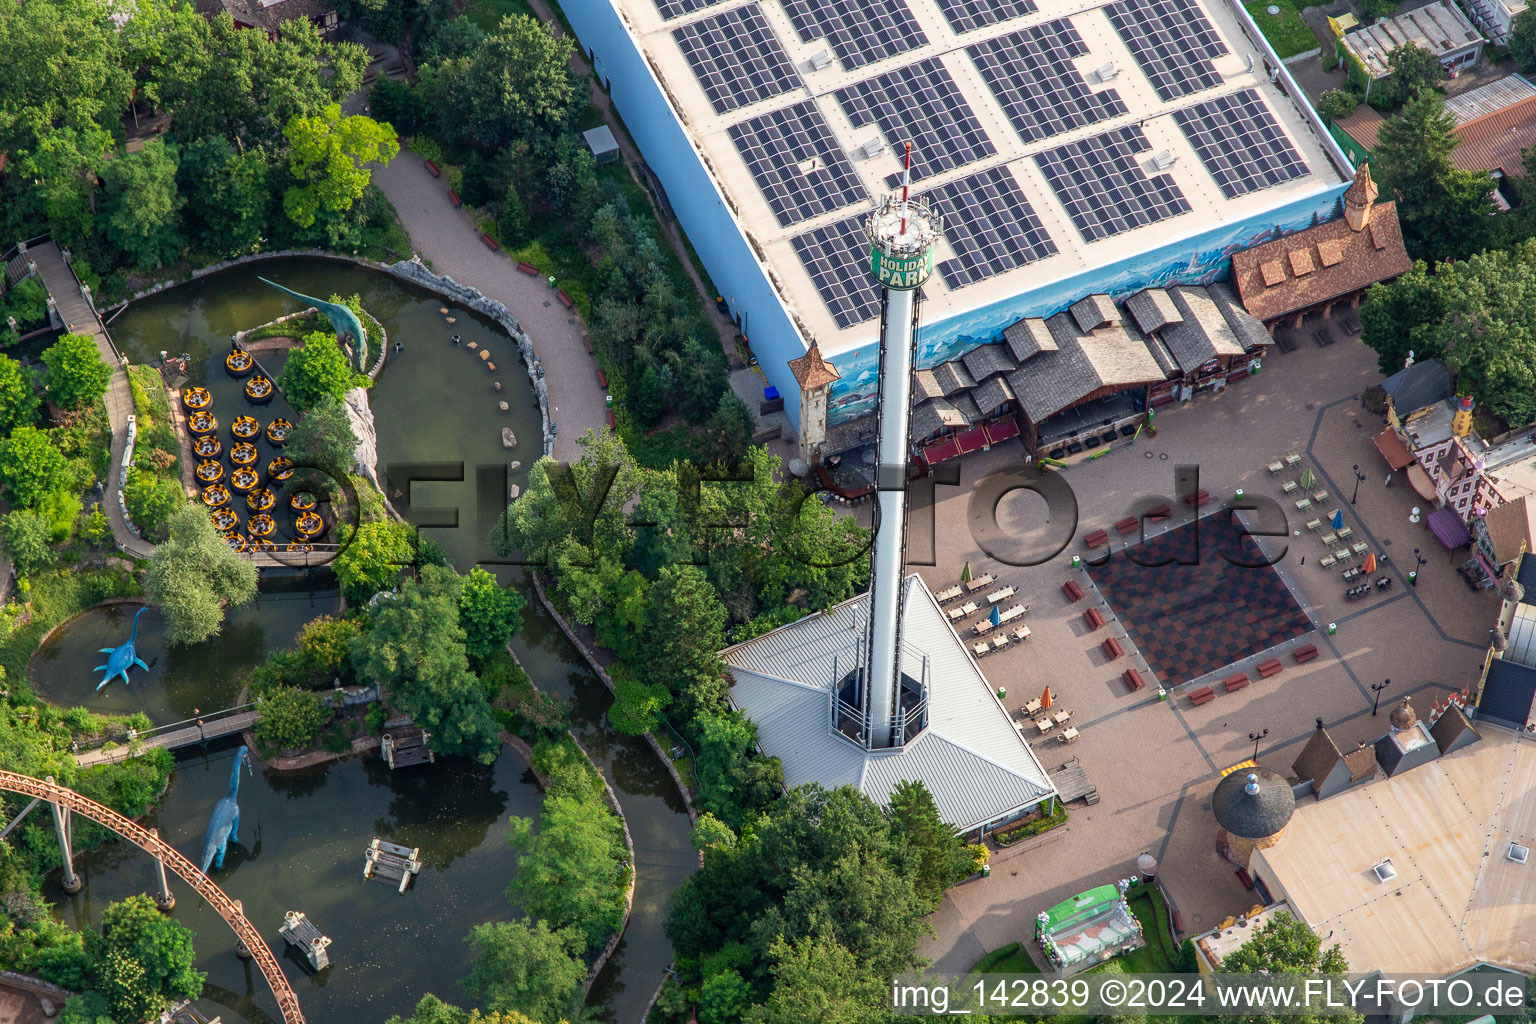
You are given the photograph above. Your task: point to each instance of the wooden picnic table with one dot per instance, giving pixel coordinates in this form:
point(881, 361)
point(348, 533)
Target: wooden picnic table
point(1022, 633)
point(1045, 725)
point(981, 582)
point(1062, 717)
point(981, 648)
point(1033, 707)
point(1001, 595)
point(983, 627)
point(1013, 613)
point(949, 593)
point(1068, 735)
point(962, 611)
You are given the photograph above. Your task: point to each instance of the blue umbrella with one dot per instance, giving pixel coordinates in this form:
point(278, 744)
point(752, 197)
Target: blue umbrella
point(1337, 522)
point(997, 618)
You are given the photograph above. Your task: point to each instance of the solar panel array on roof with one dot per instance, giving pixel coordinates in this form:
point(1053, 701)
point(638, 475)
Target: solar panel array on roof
point(1172, 41)
point(969, 15)
point(797, 162)
point(737, 58)
point(860, 32)
point(990, 225)
point(1240, 142)
point(676, 8)
point(920, 103)
point(1031, 74)
point(1103, 188)
point(837, 257)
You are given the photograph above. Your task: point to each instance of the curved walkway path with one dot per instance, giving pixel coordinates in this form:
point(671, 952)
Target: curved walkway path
point(446, 236)
point(151, 843)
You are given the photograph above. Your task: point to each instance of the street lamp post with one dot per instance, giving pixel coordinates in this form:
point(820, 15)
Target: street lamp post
point(1359, 476)
point(1376, 689)
point(1256, 737)
point(1413, 577)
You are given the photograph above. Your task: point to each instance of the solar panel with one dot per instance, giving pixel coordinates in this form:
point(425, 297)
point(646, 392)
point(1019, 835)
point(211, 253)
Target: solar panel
point(837, 258)
point(1032, 75)
point(676, 8)
point(920, 103)
point(1240, 142)
point(969, 15)
point(737, 58)
point(990, 225)
point(1172, 41)
point(860, 32)
point(797, 162)
point(1103, 187)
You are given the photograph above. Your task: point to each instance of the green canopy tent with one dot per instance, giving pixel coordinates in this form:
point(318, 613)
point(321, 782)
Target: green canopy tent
point(1087, 929)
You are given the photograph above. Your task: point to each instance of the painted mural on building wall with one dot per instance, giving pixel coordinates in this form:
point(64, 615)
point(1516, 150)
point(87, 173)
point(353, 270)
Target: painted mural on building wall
point(1197, 261)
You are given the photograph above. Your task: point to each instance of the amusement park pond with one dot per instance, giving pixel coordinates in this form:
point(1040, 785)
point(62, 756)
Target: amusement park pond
point(303, 833)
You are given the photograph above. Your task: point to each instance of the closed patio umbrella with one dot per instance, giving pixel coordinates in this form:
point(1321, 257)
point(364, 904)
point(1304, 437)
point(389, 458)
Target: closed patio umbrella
point(1370, 563)
point(965, 574)
point(996, 616)
point(1307, 479)
point(1046, 700)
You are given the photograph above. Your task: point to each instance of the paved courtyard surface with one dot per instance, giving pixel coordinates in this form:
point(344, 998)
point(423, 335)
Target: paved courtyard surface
point(1155, 764)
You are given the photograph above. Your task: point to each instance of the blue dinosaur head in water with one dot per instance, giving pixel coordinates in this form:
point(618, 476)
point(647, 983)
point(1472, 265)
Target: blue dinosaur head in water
point(224, 824)
point(121, 659)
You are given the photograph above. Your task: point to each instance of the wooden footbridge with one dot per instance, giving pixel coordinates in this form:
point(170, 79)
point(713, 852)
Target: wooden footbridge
point(175, 735)
point(65, 802)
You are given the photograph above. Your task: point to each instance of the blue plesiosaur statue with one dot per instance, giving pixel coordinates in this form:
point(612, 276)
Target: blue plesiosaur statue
point(343, 320)
point(225, 823)
point(122, 658)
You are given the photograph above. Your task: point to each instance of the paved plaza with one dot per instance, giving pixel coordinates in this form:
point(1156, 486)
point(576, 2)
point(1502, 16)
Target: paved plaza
point(1155, 763)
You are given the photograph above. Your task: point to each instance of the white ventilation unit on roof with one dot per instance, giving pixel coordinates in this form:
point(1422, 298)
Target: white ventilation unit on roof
point(1164, 160)
point(1105, 72)
point(821, 60)
point(1385, 872)
point(872, 148)
point(1519, 854)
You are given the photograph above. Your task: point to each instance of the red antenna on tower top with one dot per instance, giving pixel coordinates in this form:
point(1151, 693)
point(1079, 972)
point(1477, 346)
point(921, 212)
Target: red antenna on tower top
point(906, 181)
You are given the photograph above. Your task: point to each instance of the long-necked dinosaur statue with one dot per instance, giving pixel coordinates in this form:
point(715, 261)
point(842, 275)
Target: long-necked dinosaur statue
point(345, 322)
point(121, 658)
point(225, 823)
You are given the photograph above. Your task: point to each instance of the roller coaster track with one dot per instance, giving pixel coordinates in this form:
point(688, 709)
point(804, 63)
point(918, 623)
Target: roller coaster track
point(228, 909)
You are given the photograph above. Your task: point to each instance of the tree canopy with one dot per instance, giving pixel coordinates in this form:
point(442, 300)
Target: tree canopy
point(76, 374)
point(490, 614)
point(194, 574)
point(323, 437)
point(30, 466)
point(141, 960)
point(328, 156)
point(514, 84)
point(316, 371)
point(1444, 212)
point(527, 968)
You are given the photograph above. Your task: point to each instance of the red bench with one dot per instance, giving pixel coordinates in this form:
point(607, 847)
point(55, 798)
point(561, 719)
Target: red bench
point(1094, 618)
point(1235, 683)
point(1305, 654)
point(602, 378)
point(1272, 667)
point(1072, 590)
point(1112, 649)
point(1161, 512)
point(490, 243)
point(432, 169)
point(587, 342)
point(1196, 500)
point(453, 197)
point(565, 300)
point(1127, 524)
point(1132, 679)
point(1204, 695)
point(529, 269)
point(1096, 539)
point(611, 424)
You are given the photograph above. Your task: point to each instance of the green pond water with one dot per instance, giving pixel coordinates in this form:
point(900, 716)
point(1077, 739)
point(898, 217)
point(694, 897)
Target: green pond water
point(303, 834)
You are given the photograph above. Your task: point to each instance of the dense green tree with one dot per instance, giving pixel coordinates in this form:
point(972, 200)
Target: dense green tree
point(1413, 69)
point(372, 558)
point(933, 855)
point(26, 537)
point(325, 645)
point(63, 71)
point(729, 428)
point(515, 84)
point(194, 575)
point(141, 960)
point(323, 437)
point(216, 79)
point(1285, 946)
point(571, 870)
point(454, 38)
point(290, 719)
point(1337, 104)
point(86, 1008)
point(229, 196)
point(490, 614)
point(432, 1010)
point(76, 375)
point(723, 998)
point(152, 500)
point(416, 651)
point(526, 968)
point(817, 979)
point(316, 371)
point(1488, 329)
point(513, 219)
point(1522, 39)
point(1445, 212)
point(30, 466)
point(142, 205)
point(1403, 317)
point(328, 156)
point(18, 396)
point(637, 708)
point(731, 778)
point(62, 165)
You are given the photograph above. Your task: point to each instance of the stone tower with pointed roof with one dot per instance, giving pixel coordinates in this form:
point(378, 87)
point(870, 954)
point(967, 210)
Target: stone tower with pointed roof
point(1359, 198)
point(815, 376)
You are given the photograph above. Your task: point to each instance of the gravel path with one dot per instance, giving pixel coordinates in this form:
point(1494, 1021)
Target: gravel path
point(448, 238)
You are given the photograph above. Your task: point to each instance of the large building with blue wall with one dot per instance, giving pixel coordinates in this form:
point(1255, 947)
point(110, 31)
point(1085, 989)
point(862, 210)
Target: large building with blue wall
point(1076, 148)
